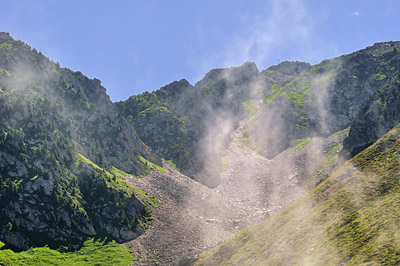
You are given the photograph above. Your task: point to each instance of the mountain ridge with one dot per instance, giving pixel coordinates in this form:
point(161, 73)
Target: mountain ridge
point(70, 157)
point(51, 122)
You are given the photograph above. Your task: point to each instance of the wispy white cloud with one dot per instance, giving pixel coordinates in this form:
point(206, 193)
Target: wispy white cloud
point(283, 30)
point(355, 13)
point(287, 23)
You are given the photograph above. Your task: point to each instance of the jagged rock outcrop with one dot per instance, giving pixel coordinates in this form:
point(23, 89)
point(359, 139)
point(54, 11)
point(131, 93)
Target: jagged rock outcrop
point(376, 117)
point(361, 75)
point(61, 145)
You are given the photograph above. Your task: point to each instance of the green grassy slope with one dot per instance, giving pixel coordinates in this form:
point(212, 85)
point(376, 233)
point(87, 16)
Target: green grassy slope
point(94, 252)
point(352, 218)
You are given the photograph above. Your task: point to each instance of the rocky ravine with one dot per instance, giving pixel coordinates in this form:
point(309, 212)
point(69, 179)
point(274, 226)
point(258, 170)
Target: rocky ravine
point(194, 218)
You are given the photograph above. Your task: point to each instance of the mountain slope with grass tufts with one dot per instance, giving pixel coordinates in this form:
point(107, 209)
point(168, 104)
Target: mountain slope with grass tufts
point(192, 125)
point(175, 172)
point(61, 144)
point(352, 218)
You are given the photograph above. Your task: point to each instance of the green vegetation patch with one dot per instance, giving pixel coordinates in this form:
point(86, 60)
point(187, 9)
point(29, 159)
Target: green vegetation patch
point(326, 166)
point(380, 76)
point(298, 98)
point(171, 163)
point(152, 166)
point(7, 46)
point(4, 72)
point(340, 132)
point(247, 141)
point(250, 106)
point(87, 161)
point(274, 92)
point(271, 71)
point(117, 171)
point(302, 143)
point(117, 182)
point(225, 164)
point(93, 252)
point(152, 200)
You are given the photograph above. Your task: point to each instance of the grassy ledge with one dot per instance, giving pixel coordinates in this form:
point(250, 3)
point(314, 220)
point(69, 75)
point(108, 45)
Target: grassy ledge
point(302, 143)
point(117, 181)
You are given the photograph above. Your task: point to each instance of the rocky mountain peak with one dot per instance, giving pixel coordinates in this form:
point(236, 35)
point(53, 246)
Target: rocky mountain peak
point(174, 89)
point(249, 67)
point(233, 75)
point(91, 89)
point(290, 67)
point(5, 37)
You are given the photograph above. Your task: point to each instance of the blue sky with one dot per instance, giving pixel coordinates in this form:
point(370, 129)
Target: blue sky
point(134, 46)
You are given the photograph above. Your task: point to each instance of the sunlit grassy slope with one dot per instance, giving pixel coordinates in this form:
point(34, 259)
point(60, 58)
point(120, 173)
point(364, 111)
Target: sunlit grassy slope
point(92, 253)
point(352, 218)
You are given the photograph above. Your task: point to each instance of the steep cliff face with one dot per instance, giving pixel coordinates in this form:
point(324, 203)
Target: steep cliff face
point(361, 75)
point(61, 143)
point(378, 115)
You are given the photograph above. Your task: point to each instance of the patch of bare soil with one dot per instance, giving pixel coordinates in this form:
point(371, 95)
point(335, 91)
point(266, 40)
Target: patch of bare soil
point(194, 218)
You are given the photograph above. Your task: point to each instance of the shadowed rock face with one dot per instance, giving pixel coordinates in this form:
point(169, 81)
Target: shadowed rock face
point(376, 117)
point(362, 74)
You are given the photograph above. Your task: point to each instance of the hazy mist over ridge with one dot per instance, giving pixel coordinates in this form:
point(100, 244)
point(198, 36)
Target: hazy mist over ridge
point(191, 165)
